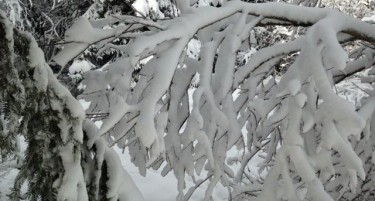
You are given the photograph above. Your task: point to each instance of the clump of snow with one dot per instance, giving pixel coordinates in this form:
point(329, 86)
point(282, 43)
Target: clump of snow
point(144, 6)
point(78, 67)
point(37, 62)
point(194, 46)
point(370, 19)
point(72, 187)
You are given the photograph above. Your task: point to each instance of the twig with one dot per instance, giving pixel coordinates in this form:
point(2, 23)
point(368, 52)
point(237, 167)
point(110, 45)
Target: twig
point(192, 189)
point(361, 89)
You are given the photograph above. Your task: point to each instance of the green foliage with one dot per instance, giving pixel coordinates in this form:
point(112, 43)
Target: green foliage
point(12, 93)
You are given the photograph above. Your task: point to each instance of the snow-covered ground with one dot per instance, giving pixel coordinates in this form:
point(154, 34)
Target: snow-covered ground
point(154, 187)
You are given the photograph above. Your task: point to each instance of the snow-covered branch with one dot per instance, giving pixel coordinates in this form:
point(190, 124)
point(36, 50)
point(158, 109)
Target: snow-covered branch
point(304, 131)
point(195, 133)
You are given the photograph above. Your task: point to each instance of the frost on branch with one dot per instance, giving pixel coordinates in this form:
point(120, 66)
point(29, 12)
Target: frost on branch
point(306, 133)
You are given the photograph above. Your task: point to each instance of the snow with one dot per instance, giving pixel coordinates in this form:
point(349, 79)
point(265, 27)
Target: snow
point(81, 35)
point(37, 62)
point(194, 46)
point(8, 29)
point(121, 180)
point(120, 185)
point(153, 186)
point(353, 90)
point(194, 132)
point(145, 6)
point(78, 67)
point(117, 110)
point(370, 19)
point(72, 186)
point(262, 56)
point(85, 104)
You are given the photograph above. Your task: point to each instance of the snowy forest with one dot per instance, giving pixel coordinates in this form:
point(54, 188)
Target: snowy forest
point(187, 100)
